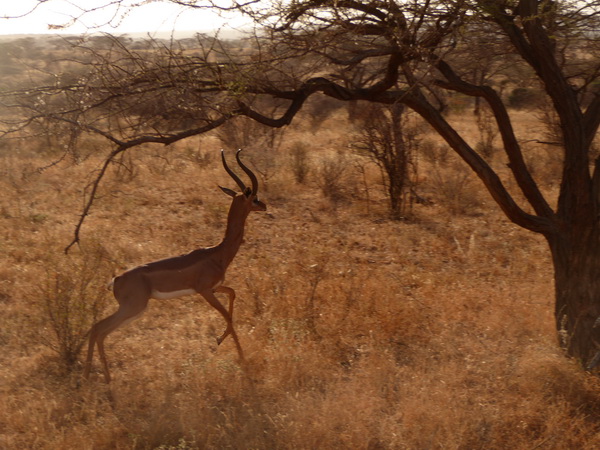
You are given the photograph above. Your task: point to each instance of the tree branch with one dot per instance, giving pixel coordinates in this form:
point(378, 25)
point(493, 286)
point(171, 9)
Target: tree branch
point(511, 146)
point(543, 225)
point(124, 146)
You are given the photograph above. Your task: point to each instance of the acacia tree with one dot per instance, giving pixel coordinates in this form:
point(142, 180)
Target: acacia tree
point(384, 51)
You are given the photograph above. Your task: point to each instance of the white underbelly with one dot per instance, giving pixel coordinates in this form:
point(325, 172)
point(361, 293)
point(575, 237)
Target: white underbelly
point(173, 294)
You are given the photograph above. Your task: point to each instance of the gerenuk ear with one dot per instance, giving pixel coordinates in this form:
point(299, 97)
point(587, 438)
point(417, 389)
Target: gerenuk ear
point(228, 191)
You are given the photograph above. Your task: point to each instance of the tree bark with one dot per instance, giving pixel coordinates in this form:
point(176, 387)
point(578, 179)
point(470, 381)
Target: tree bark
point(576, 260)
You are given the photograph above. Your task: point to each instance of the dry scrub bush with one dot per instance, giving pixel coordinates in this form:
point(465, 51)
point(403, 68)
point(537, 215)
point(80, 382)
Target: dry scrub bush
point(389, 138)
point(318, 108)
point(487, 133)
point(299, 162)
point(456, 187)
point(434, 152)
point(545, 162)
point(71, 299)
point(331, 176)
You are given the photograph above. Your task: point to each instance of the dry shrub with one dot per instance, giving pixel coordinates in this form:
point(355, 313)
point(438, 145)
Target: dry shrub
point(525, 98)
point(457, 188)
point(318, 108)
point(434, 152)
point(299, 162)
point(71, 299)
point(488, 133)
point(331, 176)
point(545, 162)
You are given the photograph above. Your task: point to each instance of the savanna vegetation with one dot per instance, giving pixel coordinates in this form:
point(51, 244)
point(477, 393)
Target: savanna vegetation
point(384, 301)
point(359, 331)
point(409, 54)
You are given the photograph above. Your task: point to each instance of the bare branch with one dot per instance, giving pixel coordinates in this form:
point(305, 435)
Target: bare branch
point(122, 147)
point(511, 145)
point(491, 180)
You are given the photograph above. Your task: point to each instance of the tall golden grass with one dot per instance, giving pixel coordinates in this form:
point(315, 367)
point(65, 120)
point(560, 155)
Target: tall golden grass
point(359, 332)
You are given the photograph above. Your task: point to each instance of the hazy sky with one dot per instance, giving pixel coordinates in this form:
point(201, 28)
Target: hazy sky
point(150, 18)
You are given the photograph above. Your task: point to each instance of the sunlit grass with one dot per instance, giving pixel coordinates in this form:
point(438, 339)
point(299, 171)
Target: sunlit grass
point(359, 331)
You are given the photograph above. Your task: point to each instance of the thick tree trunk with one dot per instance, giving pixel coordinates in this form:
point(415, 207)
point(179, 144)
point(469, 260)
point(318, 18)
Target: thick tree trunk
point(577, 284)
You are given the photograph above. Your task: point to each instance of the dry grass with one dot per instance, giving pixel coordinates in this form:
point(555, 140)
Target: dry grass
point(359, 332)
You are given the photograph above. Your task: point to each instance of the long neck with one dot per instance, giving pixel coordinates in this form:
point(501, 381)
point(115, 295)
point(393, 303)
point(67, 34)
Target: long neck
point(234, 233)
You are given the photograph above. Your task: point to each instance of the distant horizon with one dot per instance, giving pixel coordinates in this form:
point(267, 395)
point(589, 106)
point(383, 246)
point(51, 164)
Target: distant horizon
point(147, 19)
point(178, 34)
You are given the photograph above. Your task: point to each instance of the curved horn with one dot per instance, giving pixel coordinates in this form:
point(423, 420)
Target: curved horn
point(231, 174)
point(250, 174)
